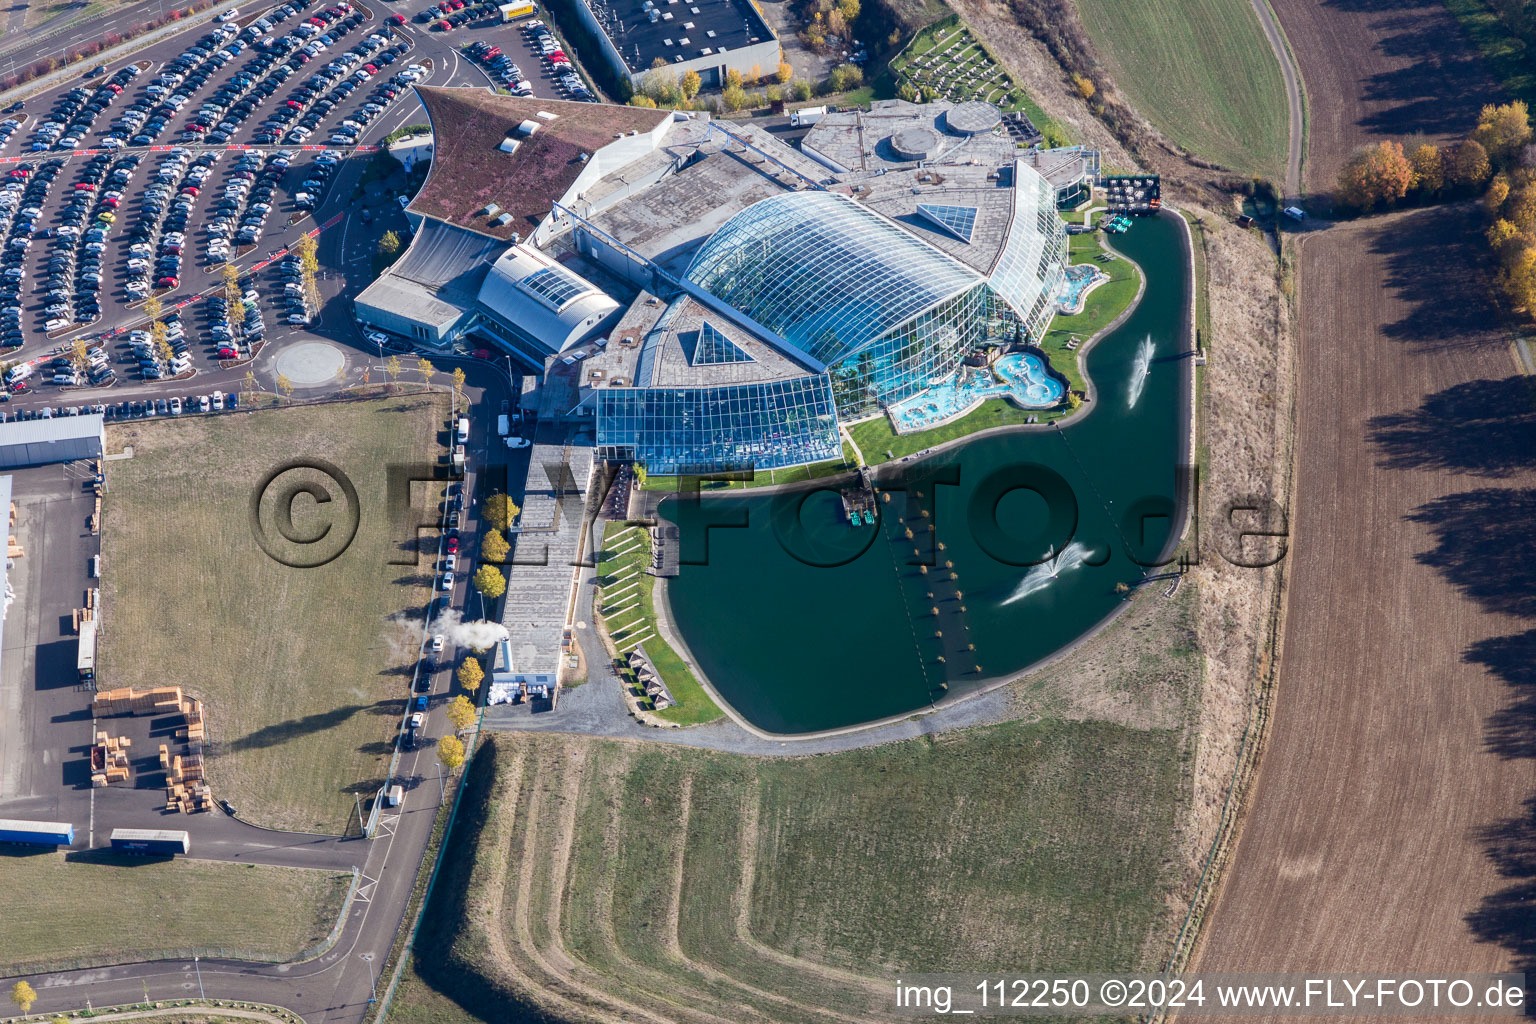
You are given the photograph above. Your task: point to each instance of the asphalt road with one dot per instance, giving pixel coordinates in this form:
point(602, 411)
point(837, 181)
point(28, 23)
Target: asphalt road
point(336, 987)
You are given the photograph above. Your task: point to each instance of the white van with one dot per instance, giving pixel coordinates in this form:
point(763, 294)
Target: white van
point(463, 429)
point(394, 796)
point(503, 425)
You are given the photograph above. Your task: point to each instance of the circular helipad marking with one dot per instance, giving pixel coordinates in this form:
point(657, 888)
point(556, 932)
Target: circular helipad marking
point(311, 363)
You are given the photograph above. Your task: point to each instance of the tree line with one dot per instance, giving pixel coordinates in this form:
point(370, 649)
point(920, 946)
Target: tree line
point(1496, 159)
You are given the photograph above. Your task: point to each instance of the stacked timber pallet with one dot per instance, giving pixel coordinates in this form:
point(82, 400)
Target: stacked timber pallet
point(185, 789)
point(109, 759)
point(161, 700)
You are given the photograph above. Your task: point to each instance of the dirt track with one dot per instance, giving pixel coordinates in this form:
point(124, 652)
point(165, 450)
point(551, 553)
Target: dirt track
point(1387, 829)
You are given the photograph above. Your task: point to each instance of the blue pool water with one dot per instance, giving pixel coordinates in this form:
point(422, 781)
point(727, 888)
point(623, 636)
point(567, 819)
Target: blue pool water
point(1077, 280)
point(1020, 376)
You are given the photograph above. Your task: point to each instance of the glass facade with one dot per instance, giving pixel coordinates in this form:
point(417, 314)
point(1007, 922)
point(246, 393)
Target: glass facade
point(555, 286)
point(1034, 256)
point(677, 431)
point(887, 313)
point(824, 272)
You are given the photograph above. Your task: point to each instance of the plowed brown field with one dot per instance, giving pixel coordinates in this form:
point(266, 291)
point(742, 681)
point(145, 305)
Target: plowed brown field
point(1377, 69)
point(1389, 829)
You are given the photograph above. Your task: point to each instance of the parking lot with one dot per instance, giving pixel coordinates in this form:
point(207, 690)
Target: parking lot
point(224, 145)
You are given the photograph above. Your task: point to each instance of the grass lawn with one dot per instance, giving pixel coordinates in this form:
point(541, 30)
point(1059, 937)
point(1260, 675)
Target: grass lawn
point(625, 605)
point(1202, 71)
point(73, 910)
point(303, 671)
point(951, 38)
point(674, 879)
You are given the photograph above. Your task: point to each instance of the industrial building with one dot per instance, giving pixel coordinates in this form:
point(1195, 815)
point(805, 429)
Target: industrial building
point(701, 296)
point(59, 439)
point(709, 37)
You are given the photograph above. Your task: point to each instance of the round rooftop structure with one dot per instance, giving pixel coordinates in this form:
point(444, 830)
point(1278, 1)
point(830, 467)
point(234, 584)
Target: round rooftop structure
point(916, 143)
point(973, 117)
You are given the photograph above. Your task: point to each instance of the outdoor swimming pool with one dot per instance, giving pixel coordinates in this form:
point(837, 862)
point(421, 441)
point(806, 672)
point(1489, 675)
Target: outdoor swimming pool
point(1024, 379)
point(1078, 281)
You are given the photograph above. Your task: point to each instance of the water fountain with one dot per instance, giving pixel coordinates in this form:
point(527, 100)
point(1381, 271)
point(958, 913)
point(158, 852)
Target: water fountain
point(1046, 573)
point(1141, 368)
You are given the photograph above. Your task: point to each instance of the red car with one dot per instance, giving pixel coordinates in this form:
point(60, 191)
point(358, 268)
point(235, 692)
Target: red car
point(494, 51)
point(228, 353)
point(110, 203)
point(396, 19)
point(444, 26)
point(189, 190)
point(19, 388)
point(555, 56)
point(19, 173)
point(85, 186)
point(168, 282)
point(453, 545)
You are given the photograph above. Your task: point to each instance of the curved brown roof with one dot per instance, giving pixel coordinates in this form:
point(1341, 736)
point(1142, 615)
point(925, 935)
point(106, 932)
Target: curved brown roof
point(468, 171)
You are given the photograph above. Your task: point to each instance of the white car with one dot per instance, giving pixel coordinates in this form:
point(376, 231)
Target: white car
point(518, 442)
point(229, 15)
point(450, 563)
point(437, 643)
point(202, 403)
point(446, 582)
point(175, 407)
point(218, 401)
point(55, 325)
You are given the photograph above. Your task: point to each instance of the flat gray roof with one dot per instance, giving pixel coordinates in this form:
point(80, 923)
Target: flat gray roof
point(58, 428)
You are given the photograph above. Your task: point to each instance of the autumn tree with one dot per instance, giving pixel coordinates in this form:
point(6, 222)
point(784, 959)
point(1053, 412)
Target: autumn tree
point(249, 384)
point(153, 308)
point(161, 341)
point(785, 73)
point(79, 356)
point(733, 79)
point(1428, 168)
point(23, 995)
point(309, 266)
point(1468, 166)
point(393, 370)
point(1518, 278)
point(490, 582)
point(471, 675)
point(1503, 131)
point(450, 751)
point(691, 83)
point(284, 385)
point(461, 712)
point(845, 77)
point(1084, 85)
point(458, 384)
point(389, 243)
point(426, 369)
point(1376, 175)
point(640, 99)
point(499, 510)
point(494, 547)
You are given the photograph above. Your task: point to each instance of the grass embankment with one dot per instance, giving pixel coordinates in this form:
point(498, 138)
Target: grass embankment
point(1202, 71)
point(625, 606)
point(948, 45)
point(879, 441)
point(1508, 56)
point(73, 910)
point(631, 879)
point(303, 671)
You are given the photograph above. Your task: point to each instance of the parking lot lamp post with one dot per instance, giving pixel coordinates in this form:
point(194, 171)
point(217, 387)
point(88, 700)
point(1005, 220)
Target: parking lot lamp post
point(373, 988)
point(198, 968)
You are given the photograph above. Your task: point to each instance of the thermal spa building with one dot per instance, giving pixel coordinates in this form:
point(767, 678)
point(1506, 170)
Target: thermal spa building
point(710, 297)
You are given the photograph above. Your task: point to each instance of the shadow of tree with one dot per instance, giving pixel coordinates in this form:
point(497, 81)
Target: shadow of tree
point(1511, 731)
point(1487, 427)
point(282, 732)
point(1485, 546)
point(1437, 261)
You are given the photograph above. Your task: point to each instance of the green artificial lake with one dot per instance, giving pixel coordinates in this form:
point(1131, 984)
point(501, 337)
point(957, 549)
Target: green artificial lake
point(803, 623)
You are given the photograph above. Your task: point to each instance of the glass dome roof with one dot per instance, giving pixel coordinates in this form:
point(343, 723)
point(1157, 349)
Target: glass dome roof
point(824, 272)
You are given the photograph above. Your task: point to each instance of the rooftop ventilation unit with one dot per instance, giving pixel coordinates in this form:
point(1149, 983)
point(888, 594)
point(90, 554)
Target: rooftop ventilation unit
point(545, 115)
point(667, 42)
point(688, 25)
point(666, 16)
point(710, 33)
point(706, 51)
point(491, 209)
point(508, 146)
point(527, 128)
point(685, 41)
point(504, 220)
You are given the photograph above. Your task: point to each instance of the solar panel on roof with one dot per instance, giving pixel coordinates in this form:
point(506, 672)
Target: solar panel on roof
point(555, 285)
point(713, 348)
point(959, 221)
